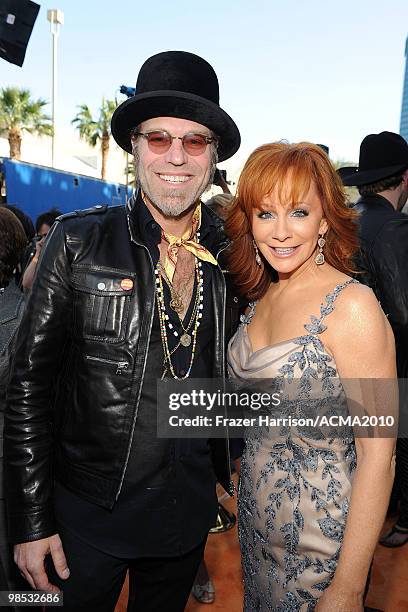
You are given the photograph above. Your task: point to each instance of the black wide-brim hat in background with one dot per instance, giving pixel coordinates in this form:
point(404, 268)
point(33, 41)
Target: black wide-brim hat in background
point(381, 156)
point(176, 84)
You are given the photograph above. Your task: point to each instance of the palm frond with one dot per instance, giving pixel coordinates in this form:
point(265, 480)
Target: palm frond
point(19, 111)
point(92, 130)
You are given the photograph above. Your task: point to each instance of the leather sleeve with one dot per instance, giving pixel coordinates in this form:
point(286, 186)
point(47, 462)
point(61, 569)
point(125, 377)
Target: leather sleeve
point(29, 417)
point(390, 261)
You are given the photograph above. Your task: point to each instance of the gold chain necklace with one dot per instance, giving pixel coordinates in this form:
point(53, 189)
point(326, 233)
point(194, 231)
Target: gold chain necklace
point(185, 339)
point(176, 302)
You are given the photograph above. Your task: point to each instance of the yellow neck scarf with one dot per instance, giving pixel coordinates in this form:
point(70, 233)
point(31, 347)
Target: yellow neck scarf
point(187, 242)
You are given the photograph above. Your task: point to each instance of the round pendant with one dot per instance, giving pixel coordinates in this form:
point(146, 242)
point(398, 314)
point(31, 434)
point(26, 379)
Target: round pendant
point(185, 340)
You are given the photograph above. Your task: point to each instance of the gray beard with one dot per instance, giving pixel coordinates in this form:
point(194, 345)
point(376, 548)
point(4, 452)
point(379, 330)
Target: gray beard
point(171, 205)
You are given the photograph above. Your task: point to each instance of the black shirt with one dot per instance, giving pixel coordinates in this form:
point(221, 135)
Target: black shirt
point(167, 502)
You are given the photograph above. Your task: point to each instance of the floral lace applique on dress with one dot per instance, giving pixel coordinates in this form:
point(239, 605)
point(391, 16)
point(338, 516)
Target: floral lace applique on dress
point(295, 482)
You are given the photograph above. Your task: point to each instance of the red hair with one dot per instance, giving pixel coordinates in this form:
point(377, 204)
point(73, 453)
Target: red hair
point(267, 169)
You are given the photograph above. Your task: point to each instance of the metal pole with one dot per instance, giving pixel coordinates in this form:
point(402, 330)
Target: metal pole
point(54, 33)
point(56, 18)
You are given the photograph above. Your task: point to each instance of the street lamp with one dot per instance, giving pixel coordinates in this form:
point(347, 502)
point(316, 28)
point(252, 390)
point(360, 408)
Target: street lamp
point(56, 18)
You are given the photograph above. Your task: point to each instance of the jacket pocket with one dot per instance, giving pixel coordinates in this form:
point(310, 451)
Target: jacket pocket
point(117, 366)
point(101, 303)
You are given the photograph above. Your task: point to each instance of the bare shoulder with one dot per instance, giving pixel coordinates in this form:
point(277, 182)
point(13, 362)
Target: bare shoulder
point(357, 308)
point(360, 336)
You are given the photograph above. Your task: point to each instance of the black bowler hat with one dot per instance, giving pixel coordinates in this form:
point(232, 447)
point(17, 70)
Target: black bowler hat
point(381, 155)
point(176, 84)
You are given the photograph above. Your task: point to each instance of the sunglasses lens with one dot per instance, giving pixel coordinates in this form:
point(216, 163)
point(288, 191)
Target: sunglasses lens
point(159, 142)
point(194, 144)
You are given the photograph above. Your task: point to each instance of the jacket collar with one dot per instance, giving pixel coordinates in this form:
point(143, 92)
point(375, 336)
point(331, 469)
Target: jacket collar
point(377, 201)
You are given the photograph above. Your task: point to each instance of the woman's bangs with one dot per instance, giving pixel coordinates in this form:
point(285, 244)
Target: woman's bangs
point(256, 180)
point(285, 171)
point(292, 183)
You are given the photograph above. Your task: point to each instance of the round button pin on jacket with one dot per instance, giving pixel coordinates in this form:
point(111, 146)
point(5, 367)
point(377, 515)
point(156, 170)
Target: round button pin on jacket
point(126, 284)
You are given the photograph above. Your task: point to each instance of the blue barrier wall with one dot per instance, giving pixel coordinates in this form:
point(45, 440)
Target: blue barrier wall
point(36, 189)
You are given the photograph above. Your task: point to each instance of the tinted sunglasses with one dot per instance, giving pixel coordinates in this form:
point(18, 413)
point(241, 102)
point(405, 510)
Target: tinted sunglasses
point(160, 141)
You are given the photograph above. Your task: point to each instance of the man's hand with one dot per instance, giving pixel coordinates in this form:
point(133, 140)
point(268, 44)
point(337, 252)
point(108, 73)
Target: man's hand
point(30, 560)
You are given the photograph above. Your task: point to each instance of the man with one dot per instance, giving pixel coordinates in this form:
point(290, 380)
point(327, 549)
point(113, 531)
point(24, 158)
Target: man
point(382, 180)
point(123, 298)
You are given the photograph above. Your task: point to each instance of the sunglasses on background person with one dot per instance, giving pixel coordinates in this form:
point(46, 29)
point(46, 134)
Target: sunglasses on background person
point(160, 141)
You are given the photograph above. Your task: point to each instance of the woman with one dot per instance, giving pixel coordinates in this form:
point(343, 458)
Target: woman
point(310, 511)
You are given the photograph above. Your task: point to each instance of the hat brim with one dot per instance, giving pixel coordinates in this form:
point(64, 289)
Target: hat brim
point(355, 178)
point(178, 104)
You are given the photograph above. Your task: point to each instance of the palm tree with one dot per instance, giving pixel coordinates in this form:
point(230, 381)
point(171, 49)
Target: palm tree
point(92, 130)
point(130, 172)
point(19, 113)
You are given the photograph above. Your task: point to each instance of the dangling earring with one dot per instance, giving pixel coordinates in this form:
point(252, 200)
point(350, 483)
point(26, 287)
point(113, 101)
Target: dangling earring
point(319, 259)
point(257, 256)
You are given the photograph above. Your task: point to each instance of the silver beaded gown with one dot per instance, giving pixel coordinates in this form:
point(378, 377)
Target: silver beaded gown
point(295, 482)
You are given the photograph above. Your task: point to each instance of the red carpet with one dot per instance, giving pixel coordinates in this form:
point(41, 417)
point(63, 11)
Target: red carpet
point(388, 591)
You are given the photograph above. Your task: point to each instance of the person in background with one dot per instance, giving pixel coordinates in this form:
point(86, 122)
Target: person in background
point(382, 181)
point(29, 231)
point(13, 241)
point(24, 219)
point(220, 202)
point(42, 226)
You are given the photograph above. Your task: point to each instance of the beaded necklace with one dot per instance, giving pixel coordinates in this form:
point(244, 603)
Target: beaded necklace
point(185, 339)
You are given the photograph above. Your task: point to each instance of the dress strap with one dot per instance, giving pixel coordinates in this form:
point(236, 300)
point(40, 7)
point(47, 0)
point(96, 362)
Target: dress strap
point(246, 318)
point(316, 326)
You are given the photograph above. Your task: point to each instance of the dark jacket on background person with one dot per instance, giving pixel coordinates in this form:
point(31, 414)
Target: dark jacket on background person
point(11, 311)
point(90, 331)
point(383, 261)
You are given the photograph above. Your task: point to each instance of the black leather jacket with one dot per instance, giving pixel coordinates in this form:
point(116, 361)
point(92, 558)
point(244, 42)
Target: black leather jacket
point(383, 259)
point(81, 355)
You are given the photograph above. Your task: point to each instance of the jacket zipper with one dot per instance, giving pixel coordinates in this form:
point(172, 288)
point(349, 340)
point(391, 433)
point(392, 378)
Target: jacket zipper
point(121, 366)
point(144, 363)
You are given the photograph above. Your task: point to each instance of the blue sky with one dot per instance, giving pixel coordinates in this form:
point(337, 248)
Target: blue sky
point(315, 70)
